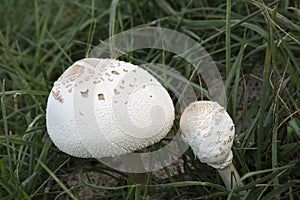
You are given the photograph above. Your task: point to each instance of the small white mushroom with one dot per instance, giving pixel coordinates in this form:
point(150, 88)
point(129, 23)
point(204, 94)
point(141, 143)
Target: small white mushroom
point(209, 130)
point(105, 107)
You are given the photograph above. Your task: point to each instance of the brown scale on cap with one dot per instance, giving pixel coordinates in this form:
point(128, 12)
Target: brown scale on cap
point(85, 93)
point(101, 96)
point(116, 91)
point(57, 96)
point(93, 62)
point(115, 72)
point(73, 73)
point(66, 79)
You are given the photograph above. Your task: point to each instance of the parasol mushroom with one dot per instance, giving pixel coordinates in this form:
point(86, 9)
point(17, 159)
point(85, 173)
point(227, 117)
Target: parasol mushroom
point(209, 130)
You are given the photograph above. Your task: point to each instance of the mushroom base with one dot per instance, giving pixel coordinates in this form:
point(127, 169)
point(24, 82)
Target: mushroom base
point(230, 177)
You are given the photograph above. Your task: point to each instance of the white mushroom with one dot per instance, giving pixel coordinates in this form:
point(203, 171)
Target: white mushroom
point(209, 130)
point(105, 107)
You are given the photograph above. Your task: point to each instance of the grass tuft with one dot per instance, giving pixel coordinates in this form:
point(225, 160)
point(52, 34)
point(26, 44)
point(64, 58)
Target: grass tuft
point(255, 44)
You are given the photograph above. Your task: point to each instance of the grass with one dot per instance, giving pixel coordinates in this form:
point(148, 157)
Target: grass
point(251, 42)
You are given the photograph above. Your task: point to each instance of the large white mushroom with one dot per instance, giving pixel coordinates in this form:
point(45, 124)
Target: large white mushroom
point(105, 107)
point(209, 130)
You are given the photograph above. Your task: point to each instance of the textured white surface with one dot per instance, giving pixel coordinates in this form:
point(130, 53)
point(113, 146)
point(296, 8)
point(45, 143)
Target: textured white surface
point(104, 107)
point(209, 130)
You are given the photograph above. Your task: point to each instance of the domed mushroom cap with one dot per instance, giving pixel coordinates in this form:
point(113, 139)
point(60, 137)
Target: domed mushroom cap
point(105, 107)
point(209, 130)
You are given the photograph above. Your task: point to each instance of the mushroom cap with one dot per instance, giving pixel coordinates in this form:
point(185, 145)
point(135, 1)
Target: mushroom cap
point(209, 130)
point(105, 107)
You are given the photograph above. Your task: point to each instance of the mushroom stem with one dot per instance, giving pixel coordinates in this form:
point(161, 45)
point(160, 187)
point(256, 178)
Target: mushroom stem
point(139, 178)
point(135, 165)
point(230, 176)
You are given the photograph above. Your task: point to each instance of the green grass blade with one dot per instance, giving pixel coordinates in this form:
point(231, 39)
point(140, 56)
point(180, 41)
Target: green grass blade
point(61, 184)
point(228, 36)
